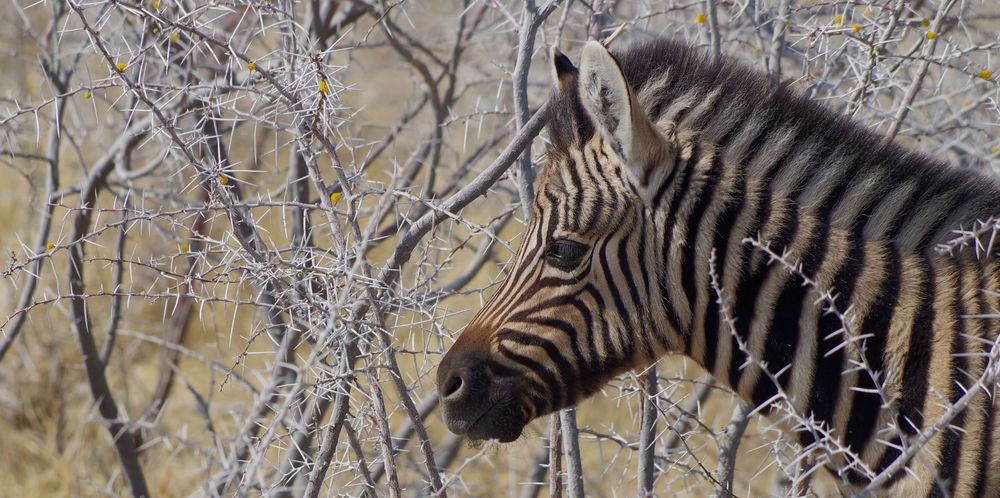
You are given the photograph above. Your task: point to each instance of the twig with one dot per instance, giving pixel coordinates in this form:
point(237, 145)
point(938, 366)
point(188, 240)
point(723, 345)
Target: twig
point(117, 426)
point(647, 433)
point(730, 444)
point(362, 465)
point(466, 195)
point(714, 37)
point(532, 18)
point(874, 52)
point(571, 445)
point(983, 386)
point(682, 424)
point(823, 436)
point(405, 432)
point(911, 91)
point(338, 417)
point(382, 421)
point(555, 456)
point(536, 479)
point(44, 227)
point(111, 335)
point(183, 308)
point(778, 41)
point(301, 448)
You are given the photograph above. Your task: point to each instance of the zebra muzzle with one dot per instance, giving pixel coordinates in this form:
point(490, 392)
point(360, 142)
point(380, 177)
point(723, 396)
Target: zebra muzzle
point(476, 402)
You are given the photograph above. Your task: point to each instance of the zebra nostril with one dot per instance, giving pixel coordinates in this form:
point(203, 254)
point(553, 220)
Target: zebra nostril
point(453, 387)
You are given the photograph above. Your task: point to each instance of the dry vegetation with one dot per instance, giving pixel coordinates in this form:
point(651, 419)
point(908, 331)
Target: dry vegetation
point(239, 236)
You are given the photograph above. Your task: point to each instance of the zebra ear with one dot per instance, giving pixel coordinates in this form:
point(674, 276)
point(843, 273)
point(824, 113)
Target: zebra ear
point(563, 71)
point(615, 111)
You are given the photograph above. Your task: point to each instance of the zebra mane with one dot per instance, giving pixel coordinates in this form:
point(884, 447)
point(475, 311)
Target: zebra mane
point(676, 69)
point(662, 70)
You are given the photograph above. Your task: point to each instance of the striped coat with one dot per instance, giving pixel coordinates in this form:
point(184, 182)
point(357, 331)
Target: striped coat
point(667, 173)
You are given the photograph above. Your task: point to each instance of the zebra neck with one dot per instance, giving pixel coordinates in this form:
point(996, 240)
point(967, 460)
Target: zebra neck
point(719, 198)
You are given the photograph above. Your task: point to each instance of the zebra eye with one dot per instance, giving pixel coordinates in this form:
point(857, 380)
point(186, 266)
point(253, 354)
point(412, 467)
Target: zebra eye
point(565, 254)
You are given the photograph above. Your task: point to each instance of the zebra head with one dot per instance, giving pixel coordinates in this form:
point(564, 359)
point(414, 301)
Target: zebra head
point(578, 306)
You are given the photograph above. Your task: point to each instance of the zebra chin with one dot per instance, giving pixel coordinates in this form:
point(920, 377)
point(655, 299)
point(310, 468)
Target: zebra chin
point(502, 420)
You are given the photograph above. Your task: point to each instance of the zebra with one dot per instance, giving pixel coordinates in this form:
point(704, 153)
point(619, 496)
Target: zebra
point(668, 171)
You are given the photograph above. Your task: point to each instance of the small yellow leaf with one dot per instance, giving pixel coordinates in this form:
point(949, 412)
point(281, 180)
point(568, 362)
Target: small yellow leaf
point(701, 18)
point(986, 74)
point(175, 36)
point(931, 35)
point(252, 66)
point(323, 86)
point(856, 27)
point(185, 247)
point(88, 95)
point(122, 66)
point(925, 22)
point(223, 180)
point(335, 197)
point(838, 19)
point(50, 246)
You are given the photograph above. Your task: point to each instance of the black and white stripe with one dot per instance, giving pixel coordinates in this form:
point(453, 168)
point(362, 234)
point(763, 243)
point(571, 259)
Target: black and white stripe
point(738, 158)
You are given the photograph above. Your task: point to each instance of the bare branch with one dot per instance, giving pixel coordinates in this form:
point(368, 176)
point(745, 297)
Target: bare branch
point(732, 436)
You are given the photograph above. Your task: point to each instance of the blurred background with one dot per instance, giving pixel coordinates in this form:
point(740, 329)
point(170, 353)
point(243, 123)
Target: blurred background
point(238, 236)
